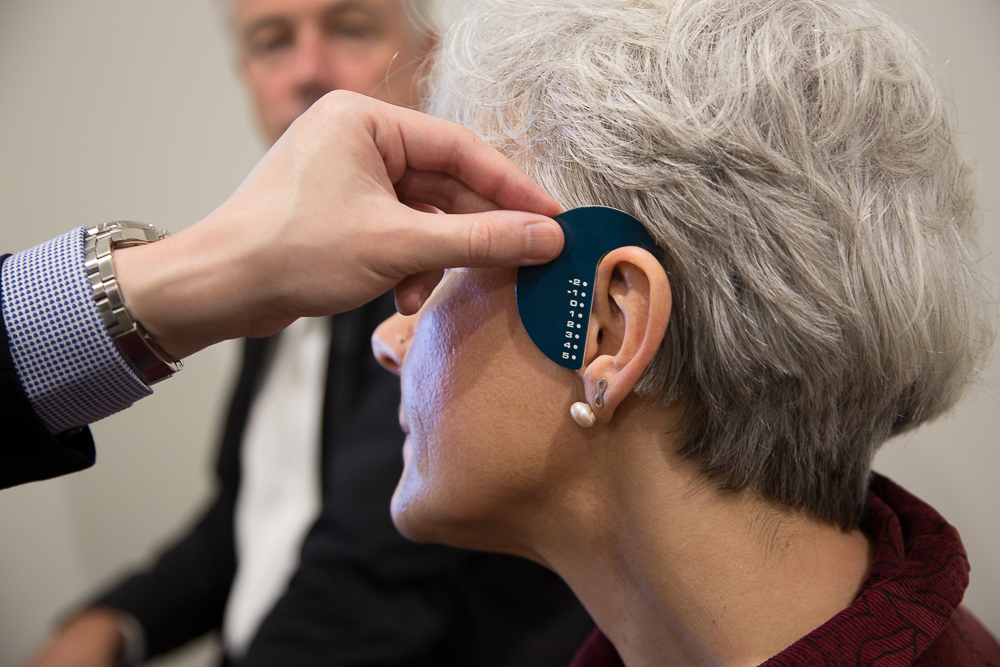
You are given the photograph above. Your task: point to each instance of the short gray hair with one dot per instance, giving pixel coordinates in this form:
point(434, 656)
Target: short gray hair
point(795, 161)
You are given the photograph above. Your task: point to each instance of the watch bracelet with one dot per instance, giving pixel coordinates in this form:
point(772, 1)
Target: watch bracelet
point(138, 348)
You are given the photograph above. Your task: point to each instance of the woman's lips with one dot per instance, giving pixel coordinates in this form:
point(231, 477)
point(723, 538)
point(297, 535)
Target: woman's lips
point(403, 424)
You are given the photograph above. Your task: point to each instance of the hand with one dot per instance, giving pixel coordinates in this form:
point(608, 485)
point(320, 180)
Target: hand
point(318, 227)
point(89, 640)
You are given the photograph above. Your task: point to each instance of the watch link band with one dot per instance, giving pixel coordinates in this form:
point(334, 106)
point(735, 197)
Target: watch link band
point(139, 349)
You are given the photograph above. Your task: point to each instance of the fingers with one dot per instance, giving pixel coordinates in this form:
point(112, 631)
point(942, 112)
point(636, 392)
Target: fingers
point(435, 145)
point(441, 191)
point(491, 239)
point(413, 291)
point(419, 206)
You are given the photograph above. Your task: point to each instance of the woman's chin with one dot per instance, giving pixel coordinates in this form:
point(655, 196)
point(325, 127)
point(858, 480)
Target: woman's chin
point(442, 506)
point(406, 501)
point(414, 523)
point(418, 516)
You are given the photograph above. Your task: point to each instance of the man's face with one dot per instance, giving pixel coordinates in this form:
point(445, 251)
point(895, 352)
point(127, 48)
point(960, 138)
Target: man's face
point(295, 51)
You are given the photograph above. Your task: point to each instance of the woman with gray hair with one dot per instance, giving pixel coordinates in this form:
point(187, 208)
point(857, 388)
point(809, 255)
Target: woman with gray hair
point(709, 494)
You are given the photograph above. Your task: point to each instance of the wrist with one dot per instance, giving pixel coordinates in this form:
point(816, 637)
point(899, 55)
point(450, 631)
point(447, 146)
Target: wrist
point(195, 288)
point(155, 295)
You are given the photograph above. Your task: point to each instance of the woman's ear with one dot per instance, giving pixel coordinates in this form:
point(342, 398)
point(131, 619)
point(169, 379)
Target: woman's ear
point(628, 319)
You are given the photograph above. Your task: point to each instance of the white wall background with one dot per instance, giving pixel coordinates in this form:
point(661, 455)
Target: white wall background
point(114, 109)
point(131, 109)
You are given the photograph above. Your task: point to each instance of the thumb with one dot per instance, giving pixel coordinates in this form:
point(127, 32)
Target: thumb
point(491, 239)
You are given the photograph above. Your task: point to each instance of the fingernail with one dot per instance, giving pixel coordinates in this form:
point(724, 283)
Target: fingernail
point(544, 240)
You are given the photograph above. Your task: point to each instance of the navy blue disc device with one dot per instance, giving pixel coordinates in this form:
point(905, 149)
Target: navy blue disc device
point(554, 299)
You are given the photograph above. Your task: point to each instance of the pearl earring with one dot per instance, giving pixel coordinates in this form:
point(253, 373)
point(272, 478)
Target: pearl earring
point(583, 414)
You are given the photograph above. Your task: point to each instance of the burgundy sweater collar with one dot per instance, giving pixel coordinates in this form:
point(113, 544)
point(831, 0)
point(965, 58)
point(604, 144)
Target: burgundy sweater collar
point(914, 586)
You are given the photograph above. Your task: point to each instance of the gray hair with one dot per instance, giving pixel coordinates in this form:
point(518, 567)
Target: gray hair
point(796, 163)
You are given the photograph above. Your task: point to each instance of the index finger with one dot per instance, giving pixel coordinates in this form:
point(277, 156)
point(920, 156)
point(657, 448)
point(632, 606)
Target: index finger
point(436, 145)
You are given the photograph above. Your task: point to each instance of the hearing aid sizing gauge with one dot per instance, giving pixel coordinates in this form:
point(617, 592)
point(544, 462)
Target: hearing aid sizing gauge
point(554, 300)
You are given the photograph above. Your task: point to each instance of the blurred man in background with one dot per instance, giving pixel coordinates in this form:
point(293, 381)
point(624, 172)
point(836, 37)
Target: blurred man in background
point(296, 559)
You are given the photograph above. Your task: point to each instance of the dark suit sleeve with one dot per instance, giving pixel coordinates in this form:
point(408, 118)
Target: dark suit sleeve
point(183, 595)
point(28, 452)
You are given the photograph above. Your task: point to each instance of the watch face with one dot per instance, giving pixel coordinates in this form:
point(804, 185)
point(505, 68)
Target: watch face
point(554, 299)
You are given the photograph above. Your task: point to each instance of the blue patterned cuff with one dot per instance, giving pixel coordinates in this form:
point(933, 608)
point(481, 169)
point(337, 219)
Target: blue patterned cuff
point(69, 368)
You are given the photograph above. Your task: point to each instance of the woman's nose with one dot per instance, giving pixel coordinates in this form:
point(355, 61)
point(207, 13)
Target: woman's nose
point(391, 341)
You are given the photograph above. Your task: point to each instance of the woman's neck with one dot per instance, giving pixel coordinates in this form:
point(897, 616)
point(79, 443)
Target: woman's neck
point(675, 573)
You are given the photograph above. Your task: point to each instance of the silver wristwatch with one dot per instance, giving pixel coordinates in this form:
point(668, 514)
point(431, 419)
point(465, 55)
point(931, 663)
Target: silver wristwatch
point(139, 349)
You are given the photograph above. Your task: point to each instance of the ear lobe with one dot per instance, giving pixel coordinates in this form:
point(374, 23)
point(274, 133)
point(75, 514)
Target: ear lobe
point(628, 319)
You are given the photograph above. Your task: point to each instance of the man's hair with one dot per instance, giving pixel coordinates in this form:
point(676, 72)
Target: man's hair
point(796, 163)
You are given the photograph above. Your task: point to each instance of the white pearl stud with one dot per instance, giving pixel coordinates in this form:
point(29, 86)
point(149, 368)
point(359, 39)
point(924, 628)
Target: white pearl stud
point(583, 414)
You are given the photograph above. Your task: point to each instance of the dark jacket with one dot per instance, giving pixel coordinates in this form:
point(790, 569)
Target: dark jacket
point(363, 595)
point(28, 452)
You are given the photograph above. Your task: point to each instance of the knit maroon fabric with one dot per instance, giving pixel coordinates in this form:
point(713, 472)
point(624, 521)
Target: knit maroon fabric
point(907, 613)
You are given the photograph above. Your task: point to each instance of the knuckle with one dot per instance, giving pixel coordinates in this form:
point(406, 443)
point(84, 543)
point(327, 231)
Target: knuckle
point(341, 102)
point(482, 238)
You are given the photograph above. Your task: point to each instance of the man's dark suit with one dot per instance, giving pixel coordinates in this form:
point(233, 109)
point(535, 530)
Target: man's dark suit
point(363, 595)
point(28, 452)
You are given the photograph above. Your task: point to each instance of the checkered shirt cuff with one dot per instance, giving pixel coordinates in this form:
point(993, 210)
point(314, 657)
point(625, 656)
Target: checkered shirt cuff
point(68, 365)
